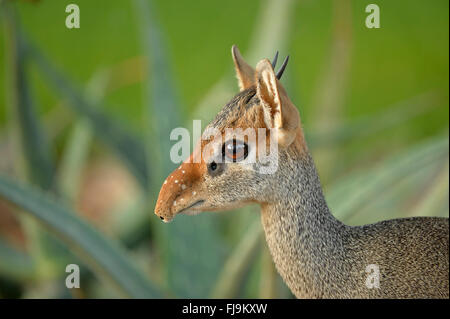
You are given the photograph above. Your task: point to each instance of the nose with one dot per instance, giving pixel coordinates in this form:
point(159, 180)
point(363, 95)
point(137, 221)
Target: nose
point(177, 191)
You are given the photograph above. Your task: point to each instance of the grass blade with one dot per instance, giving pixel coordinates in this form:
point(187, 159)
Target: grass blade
point(402, 197)
point(360, 188)
point(436, 196)
point(230, 278)
point(73, 160)
point(329, 98)
point(15, 264)
point(269, 276)
point(36, 160)
point(163, 106)
point(393, 116)
point(103, 255)
point(76, 151)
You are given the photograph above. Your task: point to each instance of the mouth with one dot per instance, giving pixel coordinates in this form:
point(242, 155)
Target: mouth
point(187, 209)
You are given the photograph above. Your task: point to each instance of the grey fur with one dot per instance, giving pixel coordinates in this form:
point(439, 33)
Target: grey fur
point(320, 257)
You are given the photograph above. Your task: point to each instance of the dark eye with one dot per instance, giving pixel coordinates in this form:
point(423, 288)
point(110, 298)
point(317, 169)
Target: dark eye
point(215, 169)
point(235, 150)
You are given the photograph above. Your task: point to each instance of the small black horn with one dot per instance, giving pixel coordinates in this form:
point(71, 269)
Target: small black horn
point(274, 61)
point(283, 66)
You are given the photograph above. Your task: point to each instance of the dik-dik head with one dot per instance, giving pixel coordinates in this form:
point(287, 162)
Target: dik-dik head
point(241, 152)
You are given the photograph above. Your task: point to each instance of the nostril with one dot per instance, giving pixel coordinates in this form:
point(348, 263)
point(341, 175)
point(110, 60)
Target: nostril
point(162, 218)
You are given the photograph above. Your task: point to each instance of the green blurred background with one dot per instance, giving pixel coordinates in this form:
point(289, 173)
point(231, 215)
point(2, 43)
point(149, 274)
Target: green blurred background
point(85, 116)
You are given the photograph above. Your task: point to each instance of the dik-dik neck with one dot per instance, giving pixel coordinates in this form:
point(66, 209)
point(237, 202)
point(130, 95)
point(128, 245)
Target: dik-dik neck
point(306, 241)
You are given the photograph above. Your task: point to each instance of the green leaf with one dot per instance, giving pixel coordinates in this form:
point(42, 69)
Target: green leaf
point(349, 195)
point(16, 264)
point(33, 143)
point(77, 147)
point(73, 159)
point(436, 196)
point(364, 126)
point(103, 255)
point(163, 106)
point(230, 279)
point(268, 278)
point(400, 198)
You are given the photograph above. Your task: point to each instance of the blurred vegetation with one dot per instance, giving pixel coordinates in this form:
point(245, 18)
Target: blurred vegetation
point(85, 115)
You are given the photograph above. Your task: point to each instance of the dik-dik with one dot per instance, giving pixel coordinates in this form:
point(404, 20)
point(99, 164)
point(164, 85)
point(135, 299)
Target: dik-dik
point(317, 255)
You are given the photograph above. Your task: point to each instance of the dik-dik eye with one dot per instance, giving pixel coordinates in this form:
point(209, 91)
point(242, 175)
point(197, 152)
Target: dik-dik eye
point(215, 169)
point(234, 150)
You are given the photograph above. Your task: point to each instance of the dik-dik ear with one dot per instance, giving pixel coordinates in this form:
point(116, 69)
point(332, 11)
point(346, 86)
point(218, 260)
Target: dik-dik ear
point(244, 72)
point(279, 112)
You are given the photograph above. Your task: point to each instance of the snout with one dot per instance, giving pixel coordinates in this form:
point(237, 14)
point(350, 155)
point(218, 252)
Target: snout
point(179, 192)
